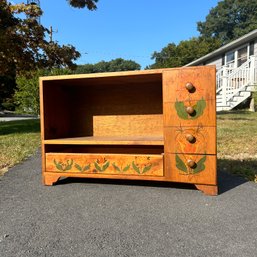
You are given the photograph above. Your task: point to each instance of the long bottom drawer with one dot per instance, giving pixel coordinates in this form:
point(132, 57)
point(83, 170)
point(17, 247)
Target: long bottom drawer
point(122, 164)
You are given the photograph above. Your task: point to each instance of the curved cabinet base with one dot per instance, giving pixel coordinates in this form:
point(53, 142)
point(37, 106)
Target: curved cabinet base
point(208, 189)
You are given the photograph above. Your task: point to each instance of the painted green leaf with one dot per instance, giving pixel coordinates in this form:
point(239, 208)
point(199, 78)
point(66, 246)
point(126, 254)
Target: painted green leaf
point(199, 108)
point(78, 167)
point(58, 165)
point(97, 167)
point(68, 166)
point(146, 168)
point(126, 168)
point(180, 164)
point(135, 167)
point(87, 167)
point(106, 165)
point(116, 167)
point(181, 110)
point(200, 165)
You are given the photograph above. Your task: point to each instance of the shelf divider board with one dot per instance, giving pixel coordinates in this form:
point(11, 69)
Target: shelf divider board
point(108, 140)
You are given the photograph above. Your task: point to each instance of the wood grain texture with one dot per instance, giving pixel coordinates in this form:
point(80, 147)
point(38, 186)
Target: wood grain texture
point(177, 170)
point(172, 118)
point(208, 189)
point(108, 140)
point(141, 165)
point(203, 78)
point(138, 125)
point(55, 111)
point(176, 142)
point(123, 110)
point(50, 179)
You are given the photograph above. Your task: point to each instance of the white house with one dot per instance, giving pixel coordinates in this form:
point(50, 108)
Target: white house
point(236, 64)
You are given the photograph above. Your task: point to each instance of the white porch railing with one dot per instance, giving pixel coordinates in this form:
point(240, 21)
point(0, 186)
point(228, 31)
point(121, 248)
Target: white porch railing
point(230, 81)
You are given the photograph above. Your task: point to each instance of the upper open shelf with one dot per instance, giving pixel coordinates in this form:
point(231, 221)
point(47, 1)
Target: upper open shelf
point(108, 140)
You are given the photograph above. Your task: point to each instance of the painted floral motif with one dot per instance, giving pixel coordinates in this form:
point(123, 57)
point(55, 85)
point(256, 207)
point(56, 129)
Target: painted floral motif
point(184, 169)
point(63, 166)
point(101, 164)
point(199, 108)
point(141, 165)
point(198, 145)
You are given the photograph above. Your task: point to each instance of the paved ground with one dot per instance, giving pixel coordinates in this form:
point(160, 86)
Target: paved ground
point(13, 118)
point(110, 218)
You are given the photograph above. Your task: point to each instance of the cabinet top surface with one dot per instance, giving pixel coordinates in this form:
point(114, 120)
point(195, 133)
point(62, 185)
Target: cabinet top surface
point(121, 73)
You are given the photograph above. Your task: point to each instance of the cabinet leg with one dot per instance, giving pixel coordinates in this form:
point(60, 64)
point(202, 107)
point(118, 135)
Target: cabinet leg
point(207, 189)
point(49, 179)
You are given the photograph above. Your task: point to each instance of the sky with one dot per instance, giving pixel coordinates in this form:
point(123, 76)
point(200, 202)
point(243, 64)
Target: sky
point(129, 29)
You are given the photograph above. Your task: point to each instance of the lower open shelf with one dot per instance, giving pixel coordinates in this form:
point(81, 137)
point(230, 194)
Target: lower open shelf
point(108, 140)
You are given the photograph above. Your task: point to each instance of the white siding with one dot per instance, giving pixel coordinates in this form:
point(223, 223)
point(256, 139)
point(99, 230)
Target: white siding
point(215, 61)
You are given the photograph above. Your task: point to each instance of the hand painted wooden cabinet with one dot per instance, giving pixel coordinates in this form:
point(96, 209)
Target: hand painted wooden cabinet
point(139, 125)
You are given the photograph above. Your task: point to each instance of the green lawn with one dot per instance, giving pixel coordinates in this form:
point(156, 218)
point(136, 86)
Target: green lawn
point(237, 142)
point(18, 140)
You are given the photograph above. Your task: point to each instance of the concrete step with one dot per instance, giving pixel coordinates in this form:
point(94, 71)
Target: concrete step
point(223, 108)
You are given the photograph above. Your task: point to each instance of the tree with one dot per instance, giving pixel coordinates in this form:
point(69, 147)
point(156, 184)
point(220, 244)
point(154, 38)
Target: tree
point(90, 4)
point(23, 46)
point(229, 20)
point(185, 52)
point(118, 64)
point(26, 97)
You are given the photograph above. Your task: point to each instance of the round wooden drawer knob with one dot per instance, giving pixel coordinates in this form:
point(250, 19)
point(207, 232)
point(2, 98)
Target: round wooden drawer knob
point(191, 164)
point(190, 87)
point(190, 110)
point(190, 138)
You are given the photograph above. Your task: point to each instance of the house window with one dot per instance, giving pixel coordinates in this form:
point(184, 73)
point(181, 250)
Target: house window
point(230, 58)
point(251, 48)
point(223, 60)
point(241, 56)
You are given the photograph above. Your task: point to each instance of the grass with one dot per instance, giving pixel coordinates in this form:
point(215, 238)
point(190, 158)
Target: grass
point(18, 141)
point(237, 142)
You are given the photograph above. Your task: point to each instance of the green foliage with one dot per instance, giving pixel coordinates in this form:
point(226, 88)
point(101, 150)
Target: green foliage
point(185, 52)
point(26, 96)
point(90, 4)
point(23, 46)
point(118, 64)
point(229, 20)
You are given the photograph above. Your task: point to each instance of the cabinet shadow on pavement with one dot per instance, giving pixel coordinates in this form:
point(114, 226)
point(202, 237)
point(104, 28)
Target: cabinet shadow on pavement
point(226, 182)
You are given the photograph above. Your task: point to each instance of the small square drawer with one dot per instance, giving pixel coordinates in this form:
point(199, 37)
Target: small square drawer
point(190, 113)
point(189, 84)
point(190, 168)
point(192, 140)
point(116, 164)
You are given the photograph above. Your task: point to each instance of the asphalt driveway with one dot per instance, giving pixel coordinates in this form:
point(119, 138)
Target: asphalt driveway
point(104, 218)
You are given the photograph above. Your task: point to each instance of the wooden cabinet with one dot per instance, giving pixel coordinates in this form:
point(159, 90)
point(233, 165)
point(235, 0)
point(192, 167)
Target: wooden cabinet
point(141, 125)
